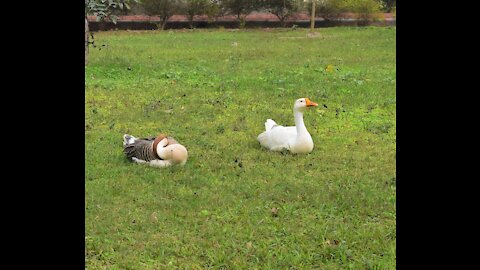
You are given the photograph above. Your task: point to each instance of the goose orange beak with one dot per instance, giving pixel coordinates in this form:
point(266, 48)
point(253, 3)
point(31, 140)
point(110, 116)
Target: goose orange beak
point(310, 103)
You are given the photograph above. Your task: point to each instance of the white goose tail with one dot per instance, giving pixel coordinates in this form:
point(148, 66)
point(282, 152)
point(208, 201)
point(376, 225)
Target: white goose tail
point(269, 124)
point(264, 137)
point(128, 139)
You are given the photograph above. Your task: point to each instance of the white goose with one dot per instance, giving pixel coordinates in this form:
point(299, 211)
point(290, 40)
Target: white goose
point(295, 139)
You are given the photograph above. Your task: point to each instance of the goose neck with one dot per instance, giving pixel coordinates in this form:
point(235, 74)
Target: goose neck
point(300, 125)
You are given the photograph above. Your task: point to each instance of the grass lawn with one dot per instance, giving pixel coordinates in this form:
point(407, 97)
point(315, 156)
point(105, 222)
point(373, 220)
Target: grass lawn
point(212, 90)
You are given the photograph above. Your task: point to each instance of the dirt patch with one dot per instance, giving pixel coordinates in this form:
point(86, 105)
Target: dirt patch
point(313, 35)
point(308, 35)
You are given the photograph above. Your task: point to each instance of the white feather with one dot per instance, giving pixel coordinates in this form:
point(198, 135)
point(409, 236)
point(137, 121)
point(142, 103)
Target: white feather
point(294, 138)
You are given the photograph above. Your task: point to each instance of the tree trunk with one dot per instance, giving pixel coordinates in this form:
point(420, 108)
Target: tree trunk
point(164, 23)
point(312, 18)
point(190, 20)
point(241, 20)
point(86, 40)
point(283, 19)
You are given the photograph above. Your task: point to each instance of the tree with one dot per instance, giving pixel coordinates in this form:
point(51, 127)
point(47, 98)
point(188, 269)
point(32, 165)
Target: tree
point(364, 8)
point(87, 41)
point(216, 9)
point(195, 7)
point(312, 16)
point(240, 8)
point(164, 9)
point(282, 8)
point(102, 9)
point(327, 9)
point(332, 9)
point(389, 5)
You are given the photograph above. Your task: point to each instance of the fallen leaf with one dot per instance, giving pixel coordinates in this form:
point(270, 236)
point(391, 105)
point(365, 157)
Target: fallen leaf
point(274, 211)
point(153, 216)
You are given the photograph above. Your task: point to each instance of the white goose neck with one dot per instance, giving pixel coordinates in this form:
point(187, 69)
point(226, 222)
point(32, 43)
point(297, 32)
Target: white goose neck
point(300, 125)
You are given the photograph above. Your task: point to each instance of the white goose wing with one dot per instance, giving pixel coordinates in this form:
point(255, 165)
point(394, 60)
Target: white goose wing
point(278, 137)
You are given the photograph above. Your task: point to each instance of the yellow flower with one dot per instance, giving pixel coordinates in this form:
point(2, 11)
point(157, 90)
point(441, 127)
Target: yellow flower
point(329, 68)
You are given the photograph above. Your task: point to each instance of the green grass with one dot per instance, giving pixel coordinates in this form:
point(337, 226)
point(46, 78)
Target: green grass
point(213, 90)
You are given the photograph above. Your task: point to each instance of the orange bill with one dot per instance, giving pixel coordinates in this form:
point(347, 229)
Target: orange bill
point(310, 103)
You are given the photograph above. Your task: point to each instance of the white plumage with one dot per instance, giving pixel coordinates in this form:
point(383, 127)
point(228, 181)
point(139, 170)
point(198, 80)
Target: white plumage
point(296, 138)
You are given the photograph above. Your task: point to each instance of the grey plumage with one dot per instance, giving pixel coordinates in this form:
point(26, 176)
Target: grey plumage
point(142, 148)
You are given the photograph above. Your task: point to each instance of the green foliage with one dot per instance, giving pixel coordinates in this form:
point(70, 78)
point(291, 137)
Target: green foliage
point(389, 5)
point(161, 7)
point(332, 9)
point(213, 9)
point(365, 8)
point(282, 8)
point(240, 8)
point(328, 9)
point(196, 7)
point(212, 91)
point(164, 9)
point(103, 9)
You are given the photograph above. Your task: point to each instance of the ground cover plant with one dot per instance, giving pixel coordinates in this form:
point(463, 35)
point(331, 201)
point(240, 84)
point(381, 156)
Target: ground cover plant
point(235, 205)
